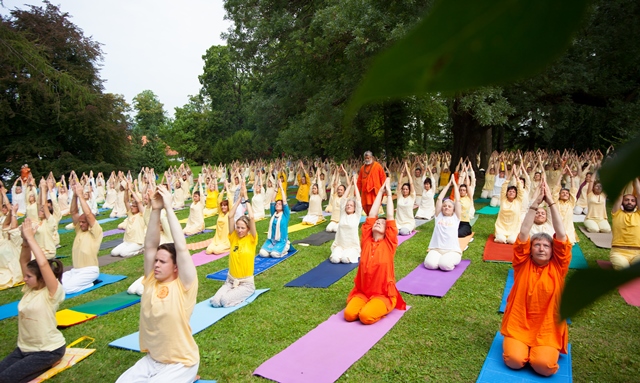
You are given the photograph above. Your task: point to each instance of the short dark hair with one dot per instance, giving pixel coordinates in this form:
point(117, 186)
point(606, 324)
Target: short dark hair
point(171, 248)
point(56, 267)
point(512, 188)
point(224, 203)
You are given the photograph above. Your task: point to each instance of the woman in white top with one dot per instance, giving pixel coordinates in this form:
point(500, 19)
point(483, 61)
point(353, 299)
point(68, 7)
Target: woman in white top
point(314, 214)
point(110, 198)
point(444, 248)
point(269, 193)
point(346, 247)
point(427, 208)
point(337, 195)
point(195, 222)
point(258, 200)
point(40, 343)
point(404, 205)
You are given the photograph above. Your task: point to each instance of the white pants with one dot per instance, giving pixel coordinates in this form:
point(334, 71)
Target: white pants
point(485, 194)
point(233, 292)
point(151, 371)
point(504, 239)
point(445, 260)
point(332, 227)
point(345, 255)
point(136, 287)
point(126, 249)
point(404, 230)
point(580, 210)
point(495, 201)
point(597, 226)
point(76, 280)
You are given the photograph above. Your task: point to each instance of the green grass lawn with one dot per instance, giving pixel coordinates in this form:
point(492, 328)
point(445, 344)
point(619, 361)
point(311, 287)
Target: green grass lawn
point(437, 340)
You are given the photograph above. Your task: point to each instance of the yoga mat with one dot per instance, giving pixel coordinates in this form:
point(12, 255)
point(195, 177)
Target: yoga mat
point(199, 245)
point(495, 371)
point(67, 318)
point(316, 239)
point(10, 287)
point(108, 304)
point(201, 232)
point(11, 309)
point(629, 291)
point(109, 233)
point(473, 220)
point(184, 220)
point(497, 252)
point(71, 357)
point(105, 220)
point(203, 316)
point(302, 226)
point(482, 200)
point(577, 258)
point(111, 244)
point(260, 266)
point(64, 231)
point(202, 257)
point(507, 290)
point(464, 241)
point(326, 352)
point(420, 222)
point(579, 218)
point(323, 275)
point(403, 238)
point(602, 240)
point(66, 220)
point(435, 283)
point(489, 210)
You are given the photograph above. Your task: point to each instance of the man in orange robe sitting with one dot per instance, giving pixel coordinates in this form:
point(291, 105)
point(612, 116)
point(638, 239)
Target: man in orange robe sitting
point(370, 178)
point(375, 294)
point(531, 325)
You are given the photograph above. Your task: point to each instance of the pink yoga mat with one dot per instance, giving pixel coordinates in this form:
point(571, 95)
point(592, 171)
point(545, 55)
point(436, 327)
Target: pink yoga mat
point(327, 351)
point(202, 258)
point(436, 283)
point(402, 238)
point(630, 291)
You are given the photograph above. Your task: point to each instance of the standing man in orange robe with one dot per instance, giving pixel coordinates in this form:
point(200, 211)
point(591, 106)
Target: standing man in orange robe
point(375, 294)
point(370, 178)
point(531, 324)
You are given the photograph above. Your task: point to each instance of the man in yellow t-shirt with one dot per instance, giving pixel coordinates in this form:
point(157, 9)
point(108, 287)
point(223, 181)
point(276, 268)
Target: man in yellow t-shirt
point(84, 253)
point(303, 190)
point(170, 290)
point(625, 245)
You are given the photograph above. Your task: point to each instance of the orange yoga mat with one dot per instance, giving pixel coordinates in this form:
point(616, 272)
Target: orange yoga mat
point(497, 252)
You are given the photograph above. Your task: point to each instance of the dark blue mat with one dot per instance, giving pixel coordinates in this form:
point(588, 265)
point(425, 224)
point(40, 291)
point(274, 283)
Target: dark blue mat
point(260, 266)
point(323, 275)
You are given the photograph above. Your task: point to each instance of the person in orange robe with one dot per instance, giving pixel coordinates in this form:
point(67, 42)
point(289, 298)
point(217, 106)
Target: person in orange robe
point(531, 324)
point(370, 178)
point(375, 294)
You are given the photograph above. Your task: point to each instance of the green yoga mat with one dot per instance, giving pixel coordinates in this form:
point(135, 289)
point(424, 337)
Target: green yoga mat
point(108, 304)
point(489, 210)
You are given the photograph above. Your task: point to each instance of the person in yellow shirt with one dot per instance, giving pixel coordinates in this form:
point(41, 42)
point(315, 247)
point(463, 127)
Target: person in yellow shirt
point(625, 244)
point(244, 239)
point(135, 228)
point(40, 343)
point(84, 253)
point(170, 290)
point(303, 190)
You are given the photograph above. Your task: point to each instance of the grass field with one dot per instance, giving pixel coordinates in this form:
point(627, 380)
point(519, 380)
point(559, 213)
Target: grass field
point(437, 340)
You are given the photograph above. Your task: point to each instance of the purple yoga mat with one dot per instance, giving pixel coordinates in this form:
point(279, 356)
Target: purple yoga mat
point(202, 258)
point(327, 351)
point(402, 238)
point(112, 232)
point(436, 283)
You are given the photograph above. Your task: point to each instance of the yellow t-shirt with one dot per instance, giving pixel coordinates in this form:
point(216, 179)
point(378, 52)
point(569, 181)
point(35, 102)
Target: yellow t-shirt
point(303, 189)
point(242, 255)
point(626, 228)
point(212, 199)
point(284, 185)
point(44, 237)
point(165, 310)
point(136, 229)
point(597, 207)
point(37, 325)
point(465, 204)
point(86, 246)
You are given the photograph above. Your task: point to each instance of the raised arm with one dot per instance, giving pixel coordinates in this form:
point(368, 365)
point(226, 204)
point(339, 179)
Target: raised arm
point(29, 245)
point(556, 217)
point(442, 194)
point(86, 210)
point(373, 213)
point(456, 194)
point(527, 222)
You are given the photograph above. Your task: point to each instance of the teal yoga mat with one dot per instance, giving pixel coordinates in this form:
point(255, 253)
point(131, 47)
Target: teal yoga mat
point(108, 304)
point(489, 210)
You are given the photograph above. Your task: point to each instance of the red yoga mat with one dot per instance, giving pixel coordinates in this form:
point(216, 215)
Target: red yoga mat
point(629, 291)
point(497, 252)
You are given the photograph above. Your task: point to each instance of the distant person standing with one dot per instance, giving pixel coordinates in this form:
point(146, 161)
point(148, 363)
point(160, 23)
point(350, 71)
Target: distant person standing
point(370, 179)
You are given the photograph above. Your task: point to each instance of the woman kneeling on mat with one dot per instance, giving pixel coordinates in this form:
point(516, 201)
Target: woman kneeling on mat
point(532, 331)
point(444, 248)
point(277, 244)
point(244, 239)
point(375, 294)
point(170, 290)
point(40, 344)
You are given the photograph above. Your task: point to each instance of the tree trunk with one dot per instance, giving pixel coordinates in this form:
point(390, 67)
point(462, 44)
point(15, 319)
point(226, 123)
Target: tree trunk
point(467, 135)
point(486, 147)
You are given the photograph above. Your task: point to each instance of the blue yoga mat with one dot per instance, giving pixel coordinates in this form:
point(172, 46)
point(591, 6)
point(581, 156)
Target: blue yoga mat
point(482, 200)
point(66, 220)
point(323, 275)
point(203, 316)
point(489, 210)
point(577, 258)
point(495, 371)
point(260, 266)
point(11, 309)
point(64, 231)
point(105, 220)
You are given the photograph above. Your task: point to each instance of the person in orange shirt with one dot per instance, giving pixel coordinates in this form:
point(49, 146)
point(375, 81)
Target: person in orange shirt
point(375, 294)
point(370, 179)
point(533, 332)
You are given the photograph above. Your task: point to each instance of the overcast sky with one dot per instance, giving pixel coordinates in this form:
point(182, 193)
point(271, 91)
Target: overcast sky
point(148, 44)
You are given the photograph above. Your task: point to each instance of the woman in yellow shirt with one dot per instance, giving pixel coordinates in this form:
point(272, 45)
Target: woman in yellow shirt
point(40, 343)
point(244, 239)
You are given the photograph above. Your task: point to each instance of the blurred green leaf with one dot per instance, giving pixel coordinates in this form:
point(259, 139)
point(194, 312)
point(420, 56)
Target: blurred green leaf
point(468, 43)
point(586, 286)
point(619, 170)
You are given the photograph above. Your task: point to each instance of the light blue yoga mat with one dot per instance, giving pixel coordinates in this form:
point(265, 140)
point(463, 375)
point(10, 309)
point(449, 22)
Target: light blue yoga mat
point(203, 316)
point(105, 220)
point(495, 371)
point(489, 210)
point(577, 258)
point(64, 231)
point(260, 266)
point(11, 309)
point(66, 220)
